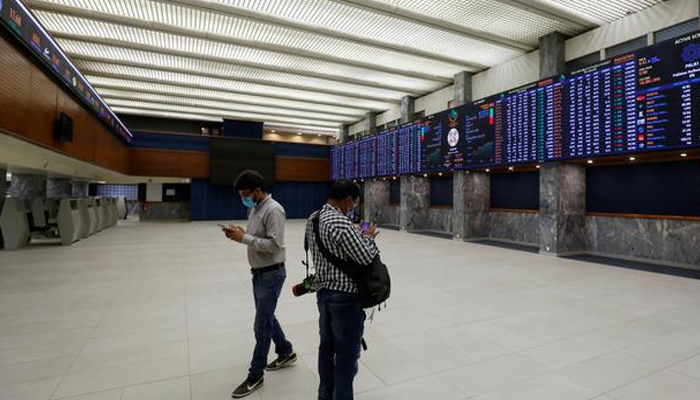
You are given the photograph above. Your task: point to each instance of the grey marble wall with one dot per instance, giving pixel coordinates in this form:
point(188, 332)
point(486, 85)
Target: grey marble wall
point(343, 134)
point(28, 186)
point(669, 241)
point(59, 188)
point(371, 123)
point(415, 203)
point(562, 208)
point(439, 220)
point(392, 215)
point(79, 189)
point(376, 200)
point(552, 60)
point(167, 212)
point(408, 109)
point(472, 197)
point(462, 88)
point(515, 227)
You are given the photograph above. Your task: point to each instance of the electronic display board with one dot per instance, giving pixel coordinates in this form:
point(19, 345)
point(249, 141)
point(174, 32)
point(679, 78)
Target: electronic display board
point(367, 157)
point(647, 100)
point(337, 163)
point(442, 141)
point(409, 148)
point(350, 161)
point(22, 24)
point(387, 152)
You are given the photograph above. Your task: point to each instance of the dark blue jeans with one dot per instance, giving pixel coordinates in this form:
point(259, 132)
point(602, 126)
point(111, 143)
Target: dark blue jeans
point(341, 326)
point(266, 290)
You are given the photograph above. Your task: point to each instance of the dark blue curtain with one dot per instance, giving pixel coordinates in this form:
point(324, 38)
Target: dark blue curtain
point(210, 202)
point(300, 199)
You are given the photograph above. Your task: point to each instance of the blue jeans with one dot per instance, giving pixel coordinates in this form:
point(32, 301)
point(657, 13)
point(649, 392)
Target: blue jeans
point(266, 290)
point(341, 326)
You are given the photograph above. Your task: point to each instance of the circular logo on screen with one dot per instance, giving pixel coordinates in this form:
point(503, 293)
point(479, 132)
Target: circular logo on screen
point(691, 53)
point(453, 137)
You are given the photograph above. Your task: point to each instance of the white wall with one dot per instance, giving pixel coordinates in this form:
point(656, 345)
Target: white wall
point(521, 71)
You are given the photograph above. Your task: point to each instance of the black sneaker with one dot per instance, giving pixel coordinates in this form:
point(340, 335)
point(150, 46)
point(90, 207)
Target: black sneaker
point(246, 388)
point(281, 362)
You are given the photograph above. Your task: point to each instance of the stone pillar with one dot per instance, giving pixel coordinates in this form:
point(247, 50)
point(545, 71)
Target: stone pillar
point(408, 109)
point(344, 132)
point(415, 203)
point(562, 208)
point(472, 203)
point(59, 188)
point(371, 123)
point(28, 186)
point(562, 185)
point(552, 60)
point(462, 88)
point(80, 189)
point(376, 200)
point(3, 183)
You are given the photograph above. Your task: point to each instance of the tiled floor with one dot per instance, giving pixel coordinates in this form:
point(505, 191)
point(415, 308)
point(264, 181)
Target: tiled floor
point(164, 311)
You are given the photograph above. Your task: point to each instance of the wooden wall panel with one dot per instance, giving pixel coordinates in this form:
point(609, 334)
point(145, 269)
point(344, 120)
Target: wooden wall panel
point(15, 78)
point(31, 99)
point(293, 169)
point(169, 163)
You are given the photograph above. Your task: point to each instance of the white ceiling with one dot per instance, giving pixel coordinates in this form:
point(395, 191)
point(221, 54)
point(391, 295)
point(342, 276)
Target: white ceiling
point(299, 65)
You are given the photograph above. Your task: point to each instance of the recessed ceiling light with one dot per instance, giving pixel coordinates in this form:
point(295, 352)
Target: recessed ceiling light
point(684, 154)
point(511, 168)
point(440, 174)
point(298, 133)
point(632, 158)
point(537, 166)
point(273, 131)
point(590, 161)
point(488, 170)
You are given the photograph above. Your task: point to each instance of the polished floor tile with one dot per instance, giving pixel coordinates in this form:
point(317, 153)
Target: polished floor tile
point(165, 311)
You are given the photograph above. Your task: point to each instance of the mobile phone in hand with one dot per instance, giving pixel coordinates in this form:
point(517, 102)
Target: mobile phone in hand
point(364, 227)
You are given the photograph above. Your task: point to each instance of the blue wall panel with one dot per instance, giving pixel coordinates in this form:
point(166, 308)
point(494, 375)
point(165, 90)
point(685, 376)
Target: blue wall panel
point(302, 150)
point(300, 199)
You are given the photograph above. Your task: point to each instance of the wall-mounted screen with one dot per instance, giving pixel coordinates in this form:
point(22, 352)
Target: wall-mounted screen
point(367, 157)
point(648, 100)
point(387, 153)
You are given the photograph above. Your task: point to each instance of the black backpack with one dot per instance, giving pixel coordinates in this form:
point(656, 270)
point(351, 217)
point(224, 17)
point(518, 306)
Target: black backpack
point(373, 281)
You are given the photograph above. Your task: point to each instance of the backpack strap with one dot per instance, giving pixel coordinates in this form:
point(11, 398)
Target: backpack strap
point(332, 258)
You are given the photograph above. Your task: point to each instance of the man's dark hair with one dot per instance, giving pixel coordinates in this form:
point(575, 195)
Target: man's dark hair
point(249, 180)
point(342, 189)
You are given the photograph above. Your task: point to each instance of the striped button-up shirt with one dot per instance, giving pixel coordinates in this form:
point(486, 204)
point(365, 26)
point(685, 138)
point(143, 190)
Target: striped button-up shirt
point(342, 239)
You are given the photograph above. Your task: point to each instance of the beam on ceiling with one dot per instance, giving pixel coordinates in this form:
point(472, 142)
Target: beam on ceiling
point(437, 23)
point(262, 103)
point(555, 14)
point(157, 106)
point(239, 12)
point(180, 101)
point(264, 67)
point(42, 5)
point(195, 86)
point(185, 71)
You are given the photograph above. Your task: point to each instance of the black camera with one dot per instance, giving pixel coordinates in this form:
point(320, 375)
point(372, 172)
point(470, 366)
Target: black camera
point(306, 286)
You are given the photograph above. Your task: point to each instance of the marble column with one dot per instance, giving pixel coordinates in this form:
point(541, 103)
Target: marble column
point(80, 189)
point(552, 57)
point(59, 188)
point(408, 109)
point(28, 186)
point(376, 200)
point(415, 203)
point(3, 183)
point(343, 133)
point(370, 123)
point(472, 202)
point(562, 208)
point(462, 88)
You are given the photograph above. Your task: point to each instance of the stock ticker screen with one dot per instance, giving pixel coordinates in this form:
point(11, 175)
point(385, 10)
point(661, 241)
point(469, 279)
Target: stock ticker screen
point(648, 100)
point(367, 157)
point(387, 153)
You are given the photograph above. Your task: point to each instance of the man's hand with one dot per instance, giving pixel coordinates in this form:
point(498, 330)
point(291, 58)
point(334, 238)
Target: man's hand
point(372, 231)
point(234, 233)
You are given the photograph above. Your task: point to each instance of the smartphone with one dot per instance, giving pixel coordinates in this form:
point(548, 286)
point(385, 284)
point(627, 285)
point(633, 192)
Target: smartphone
point(364, 227)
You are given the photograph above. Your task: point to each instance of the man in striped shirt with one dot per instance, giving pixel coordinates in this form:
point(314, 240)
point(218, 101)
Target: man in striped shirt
point(342, 317)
